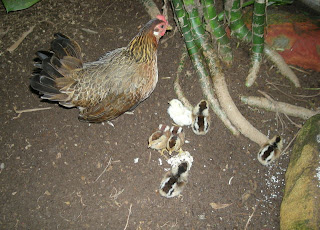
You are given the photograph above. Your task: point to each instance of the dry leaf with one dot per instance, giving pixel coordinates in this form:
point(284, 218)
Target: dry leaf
point(67, 202)
point(47, 193)
point(246, 196)
point(219, 205)
point(58, 155)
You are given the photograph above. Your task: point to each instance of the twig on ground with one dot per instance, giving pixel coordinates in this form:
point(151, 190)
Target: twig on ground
point(109, 163)
point(27, 111)
point(18, 42)
point(250, 217)
point(125, 227)
point(283, 152)
point(298, 69)
point(273, 84)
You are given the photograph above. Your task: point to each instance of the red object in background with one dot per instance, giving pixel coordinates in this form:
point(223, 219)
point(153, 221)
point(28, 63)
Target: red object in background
point(297, 42)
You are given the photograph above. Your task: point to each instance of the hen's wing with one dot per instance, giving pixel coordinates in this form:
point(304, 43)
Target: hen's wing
point(111, 86)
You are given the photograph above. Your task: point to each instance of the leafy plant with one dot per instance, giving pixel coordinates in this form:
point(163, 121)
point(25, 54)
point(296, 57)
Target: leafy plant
point(14, 5)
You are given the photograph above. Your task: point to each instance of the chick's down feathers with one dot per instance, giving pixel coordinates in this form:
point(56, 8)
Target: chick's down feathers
point(106, 88)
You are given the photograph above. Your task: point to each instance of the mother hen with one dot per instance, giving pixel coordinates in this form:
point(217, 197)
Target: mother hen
point(106, 88)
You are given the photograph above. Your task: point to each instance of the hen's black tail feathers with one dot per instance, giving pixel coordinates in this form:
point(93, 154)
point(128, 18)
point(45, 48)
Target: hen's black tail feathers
point(52, 76)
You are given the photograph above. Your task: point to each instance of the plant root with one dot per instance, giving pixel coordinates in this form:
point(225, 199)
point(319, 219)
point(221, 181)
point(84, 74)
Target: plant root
point(284, 69)
point(234, 114)
point(291, 110)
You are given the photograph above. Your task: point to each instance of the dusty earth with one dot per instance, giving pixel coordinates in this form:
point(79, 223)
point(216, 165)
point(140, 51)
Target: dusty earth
point(59, 173)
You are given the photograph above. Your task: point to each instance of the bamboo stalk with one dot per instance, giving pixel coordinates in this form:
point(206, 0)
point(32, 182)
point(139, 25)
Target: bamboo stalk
point(217, 31)
point(257, 40)
point(240, 31)
point(198, 63)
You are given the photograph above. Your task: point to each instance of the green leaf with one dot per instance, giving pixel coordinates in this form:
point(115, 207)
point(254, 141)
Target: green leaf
point(13, 5)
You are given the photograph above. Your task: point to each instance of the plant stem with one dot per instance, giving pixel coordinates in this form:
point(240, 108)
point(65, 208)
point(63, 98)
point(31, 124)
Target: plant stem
point(257, 40)
point(217, 31)
point(198, 62)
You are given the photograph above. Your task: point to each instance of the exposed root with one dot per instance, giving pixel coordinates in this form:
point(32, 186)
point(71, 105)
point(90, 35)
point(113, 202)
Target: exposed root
point(284, 69)
point(234, 114)
point(253, 73)
point(291, 110)
point(151, 8)
point(176, 85)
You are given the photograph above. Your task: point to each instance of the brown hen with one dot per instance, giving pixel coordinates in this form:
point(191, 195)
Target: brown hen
point(106, 88)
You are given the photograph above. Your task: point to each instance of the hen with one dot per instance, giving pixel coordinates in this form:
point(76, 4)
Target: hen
point(106, 88)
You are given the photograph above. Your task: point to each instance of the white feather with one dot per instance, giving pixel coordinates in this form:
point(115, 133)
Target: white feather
point(179, 113)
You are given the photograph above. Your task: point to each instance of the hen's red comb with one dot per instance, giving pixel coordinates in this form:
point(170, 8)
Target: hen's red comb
point(162, 18)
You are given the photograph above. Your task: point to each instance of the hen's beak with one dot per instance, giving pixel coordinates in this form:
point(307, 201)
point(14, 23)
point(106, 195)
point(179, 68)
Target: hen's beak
point(169, 27)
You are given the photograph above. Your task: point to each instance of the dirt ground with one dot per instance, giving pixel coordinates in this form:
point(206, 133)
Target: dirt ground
point(60, 173)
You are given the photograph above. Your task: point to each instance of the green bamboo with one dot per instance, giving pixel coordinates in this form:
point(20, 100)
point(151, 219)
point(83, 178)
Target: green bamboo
point(201, 39)
point(198, 62)
point(248, 3)
point(258, 21)
point(217, 31)
point(237, 26)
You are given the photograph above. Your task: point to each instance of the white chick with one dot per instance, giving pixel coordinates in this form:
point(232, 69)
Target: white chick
point(270, 151)
point(180, 114)
point(174, 181)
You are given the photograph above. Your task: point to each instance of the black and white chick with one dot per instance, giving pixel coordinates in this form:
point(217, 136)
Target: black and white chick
point(180, 114)
point(158, 139)
point(270, 151)
point(201, 118)
point(176, 139)
point(174, 181)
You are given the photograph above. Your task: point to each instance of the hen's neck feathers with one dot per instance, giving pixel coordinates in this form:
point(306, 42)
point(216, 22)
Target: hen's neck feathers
point(144, 45)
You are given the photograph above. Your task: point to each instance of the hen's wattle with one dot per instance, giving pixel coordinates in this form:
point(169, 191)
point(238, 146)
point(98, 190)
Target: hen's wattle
point(106, 88)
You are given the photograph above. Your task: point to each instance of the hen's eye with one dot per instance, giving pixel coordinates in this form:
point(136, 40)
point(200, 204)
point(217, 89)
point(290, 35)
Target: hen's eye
point(162, 26)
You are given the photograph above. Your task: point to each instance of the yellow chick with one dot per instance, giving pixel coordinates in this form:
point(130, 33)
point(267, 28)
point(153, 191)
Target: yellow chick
point(158, 140)
point(176, 139)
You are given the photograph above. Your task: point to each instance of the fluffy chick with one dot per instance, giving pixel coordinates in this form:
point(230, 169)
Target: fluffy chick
point(270, 151)
point(176, 139)
point(180, 114)
point(174, 181)
point(158, 140)
point(201, 118)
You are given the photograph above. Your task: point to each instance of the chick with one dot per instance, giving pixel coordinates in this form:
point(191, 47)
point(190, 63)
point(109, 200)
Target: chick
point(176, 139)
point(174, 181)
point(270, 151)
point(180, 114)
point(201, 118)
point(158, 140)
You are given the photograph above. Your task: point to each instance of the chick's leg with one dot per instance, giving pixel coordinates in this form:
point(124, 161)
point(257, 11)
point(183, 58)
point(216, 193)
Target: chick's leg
point(163, 154)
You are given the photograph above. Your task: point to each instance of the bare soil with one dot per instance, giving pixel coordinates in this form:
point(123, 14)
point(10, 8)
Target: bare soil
point(60, 173)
